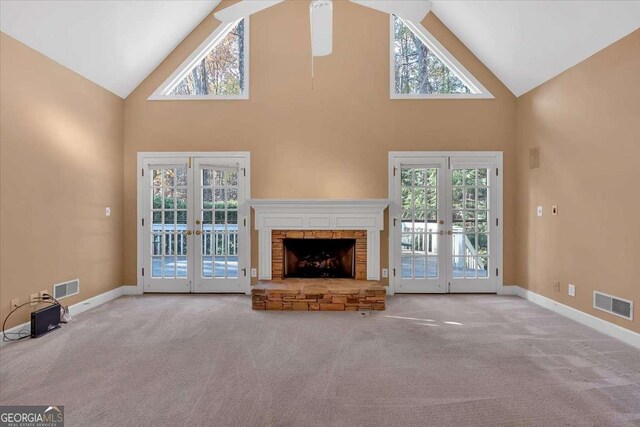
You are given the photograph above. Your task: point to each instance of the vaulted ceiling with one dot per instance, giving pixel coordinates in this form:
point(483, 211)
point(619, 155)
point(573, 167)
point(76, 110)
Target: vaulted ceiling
point(526, 43)
point(114, 43)
point(118, 43)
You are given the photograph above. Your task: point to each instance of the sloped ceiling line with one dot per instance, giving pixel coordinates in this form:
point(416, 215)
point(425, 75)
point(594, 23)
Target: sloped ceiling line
point(117, 44)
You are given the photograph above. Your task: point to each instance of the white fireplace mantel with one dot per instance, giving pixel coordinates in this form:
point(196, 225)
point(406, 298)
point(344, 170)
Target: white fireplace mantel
point(314, 214)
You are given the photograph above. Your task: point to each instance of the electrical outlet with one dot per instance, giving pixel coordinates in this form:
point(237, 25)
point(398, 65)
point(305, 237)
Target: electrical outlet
point(556, 286)
point(43, 293)
point(15, 303)
point(107, 211)
point(33, 299)
point(571, 290)
point(554, 210)
point(385, 272)
point(254, 272)
point(539, 210)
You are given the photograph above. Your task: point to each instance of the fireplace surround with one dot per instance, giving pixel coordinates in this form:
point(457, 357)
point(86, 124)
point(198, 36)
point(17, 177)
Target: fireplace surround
point(277, 219)
point(293, 249)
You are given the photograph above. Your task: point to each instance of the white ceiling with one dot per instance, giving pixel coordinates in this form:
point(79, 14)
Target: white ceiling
point(114, 43)
point(526, 43)
point(118, 43)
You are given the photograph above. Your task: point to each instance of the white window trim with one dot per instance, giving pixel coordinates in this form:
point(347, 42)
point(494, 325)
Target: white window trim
point(163, 92)
point(477, 89)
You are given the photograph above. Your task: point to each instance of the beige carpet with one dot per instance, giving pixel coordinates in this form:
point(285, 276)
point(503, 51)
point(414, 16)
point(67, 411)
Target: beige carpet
point(442, 360)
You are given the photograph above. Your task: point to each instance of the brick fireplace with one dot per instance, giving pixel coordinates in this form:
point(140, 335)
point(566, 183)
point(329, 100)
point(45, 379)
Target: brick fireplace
point(319, 255)
point(277, 220)
point(281, 255)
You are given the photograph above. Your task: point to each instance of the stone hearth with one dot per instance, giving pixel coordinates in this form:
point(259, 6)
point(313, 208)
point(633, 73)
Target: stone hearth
point(318, 295)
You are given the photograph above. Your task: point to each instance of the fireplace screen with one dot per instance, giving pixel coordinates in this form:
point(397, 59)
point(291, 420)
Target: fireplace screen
point(319, 258)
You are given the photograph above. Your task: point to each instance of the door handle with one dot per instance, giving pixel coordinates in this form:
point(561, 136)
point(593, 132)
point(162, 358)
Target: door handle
point(449, 233)
point(441, 233)
point(198, 232)
point(197, 222)
point(189, 232)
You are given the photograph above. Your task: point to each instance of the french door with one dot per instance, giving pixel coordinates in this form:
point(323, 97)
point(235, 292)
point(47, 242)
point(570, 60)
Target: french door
point(193, 224)
point(445, 222)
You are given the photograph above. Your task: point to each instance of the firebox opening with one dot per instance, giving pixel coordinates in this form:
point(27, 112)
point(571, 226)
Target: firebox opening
point(319, 258)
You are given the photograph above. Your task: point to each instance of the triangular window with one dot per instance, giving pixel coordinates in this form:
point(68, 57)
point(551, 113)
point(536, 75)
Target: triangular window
point(218, 69)
point(422, 68)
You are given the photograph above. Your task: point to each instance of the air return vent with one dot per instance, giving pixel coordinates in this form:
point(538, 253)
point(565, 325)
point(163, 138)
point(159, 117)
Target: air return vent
point(66, 289)
point(614, 305)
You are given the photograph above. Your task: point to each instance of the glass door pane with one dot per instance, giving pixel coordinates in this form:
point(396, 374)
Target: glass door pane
point(219, 216)
point(217, 223)
point(419, 225)
point(473, 225)
point(165, 228)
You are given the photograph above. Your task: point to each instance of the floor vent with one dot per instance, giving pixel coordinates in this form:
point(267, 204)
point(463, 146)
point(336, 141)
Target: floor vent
point(66, 289)
point(614, 305)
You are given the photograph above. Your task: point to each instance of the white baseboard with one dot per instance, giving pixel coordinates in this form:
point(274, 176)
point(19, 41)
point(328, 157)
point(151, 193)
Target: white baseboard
point(85, 305)
point(92, 302)
point(130, 290)
point(510, 290)
point(607, 328)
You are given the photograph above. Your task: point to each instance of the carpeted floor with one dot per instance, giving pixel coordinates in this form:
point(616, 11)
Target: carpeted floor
point(438, 360)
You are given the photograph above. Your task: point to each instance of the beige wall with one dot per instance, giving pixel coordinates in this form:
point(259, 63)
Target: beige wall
point(61, 142)
point(329, 142)
point(586, 123)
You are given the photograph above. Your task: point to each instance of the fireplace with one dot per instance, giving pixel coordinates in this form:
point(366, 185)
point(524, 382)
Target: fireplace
point(280, 219)
point(319, 258)
point(319, 254)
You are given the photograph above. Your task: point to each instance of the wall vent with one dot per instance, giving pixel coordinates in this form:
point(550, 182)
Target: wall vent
point(66, 289)
point(614, 305)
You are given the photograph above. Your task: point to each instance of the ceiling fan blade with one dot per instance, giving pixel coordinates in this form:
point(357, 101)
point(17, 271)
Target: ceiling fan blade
point(321, 14)
point(244, 8)
point(412, 10)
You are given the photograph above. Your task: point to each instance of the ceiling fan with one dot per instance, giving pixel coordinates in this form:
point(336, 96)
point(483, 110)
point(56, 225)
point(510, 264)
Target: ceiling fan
point(321, 14)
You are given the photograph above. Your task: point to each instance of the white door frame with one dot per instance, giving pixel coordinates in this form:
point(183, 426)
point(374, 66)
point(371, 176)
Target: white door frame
point(244, 211)
point(395, 209)
point(430, 284)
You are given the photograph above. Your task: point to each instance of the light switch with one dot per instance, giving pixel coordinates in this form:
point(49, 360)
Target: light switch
point(554, 210)
point(572, 290)
point(254, 272)
point(107, 211)
point(385, 272)
point(539, 210)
